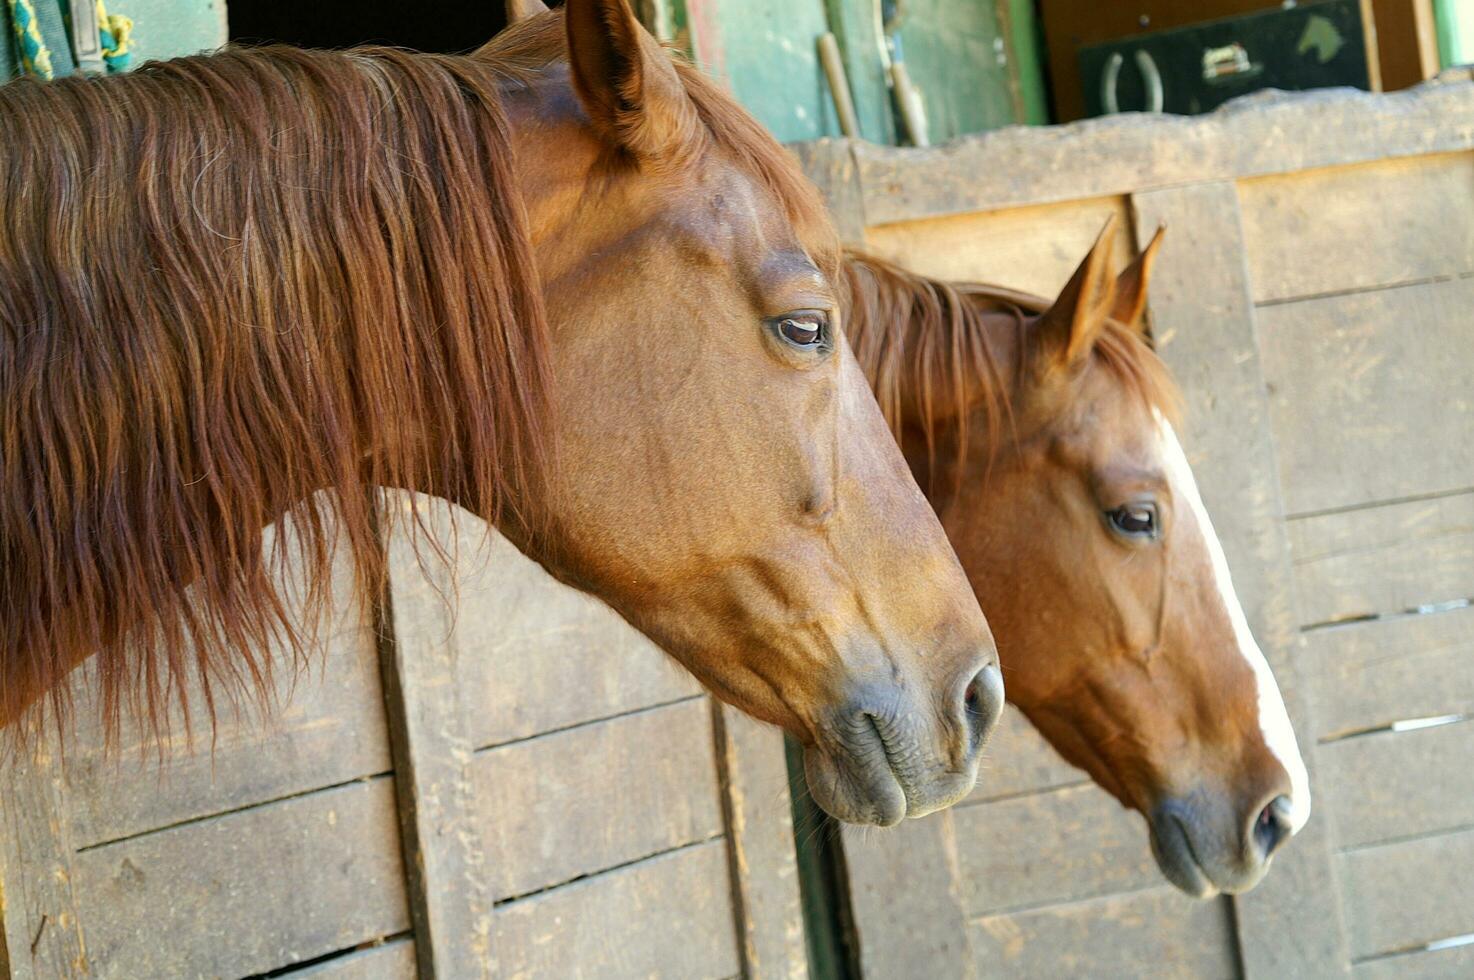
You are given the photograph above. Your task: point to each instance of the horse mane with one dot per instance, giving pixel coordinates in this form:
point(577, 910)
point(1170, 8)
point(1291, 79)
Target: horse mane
point(529, 46)
point(230, 283)
point(929, 351)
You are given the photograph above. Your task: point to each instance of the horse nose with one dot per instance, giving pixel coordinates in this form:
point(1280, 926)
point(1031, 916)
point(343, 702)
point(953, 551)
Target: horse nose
point(1272, 826)
point(982, 704)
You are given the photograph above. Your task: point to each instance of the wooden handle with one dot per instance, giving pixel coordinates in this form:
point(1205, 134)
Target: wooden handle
point(839, 85)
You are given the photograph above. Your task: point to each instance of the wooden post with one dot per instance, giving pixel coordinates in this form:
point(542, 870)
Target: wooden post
point(1202, 316)
point(443, 855)
point(42, 936)
point(908, 890)
point(754, 784)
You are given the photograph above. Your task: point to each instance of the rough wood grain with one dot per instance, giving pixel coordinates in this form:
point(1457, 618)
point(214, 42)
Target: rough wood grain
point(1157, 933)
point(1377, 224)
point(534, 654)
point(42, 930)
point(1269, 133)
point(1384, 560)
point(831, 167)
point(247, 892)
point(324, 726)
point(1445, 964)
point(1370, 394)
point(393, 960)
point(1031, 248)
point(1400, 896)
point(441, 835)
point(1363, 675)
point(1400, 784)
point(906, 896)
point(327, 727)
point(1018, 760)
point(1046, 848)
point(1203, 319)
point(668, 916)
point(576, 802)
point(759, 822)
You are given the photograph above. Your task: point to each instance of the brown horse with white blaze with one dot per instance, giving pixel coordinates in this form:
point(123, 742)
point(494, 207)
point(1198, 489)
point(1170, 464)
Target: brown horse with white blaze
point(565, 283)
point(1043, 433)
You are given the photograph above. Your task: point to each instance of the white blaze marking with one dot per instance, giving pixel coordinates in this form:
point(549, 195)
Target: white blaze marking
point(1274, 721)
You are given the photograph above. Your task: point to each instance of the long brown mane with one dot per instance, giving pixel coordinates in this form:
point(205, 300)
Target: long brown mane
point(933, 350)
point(229, 283)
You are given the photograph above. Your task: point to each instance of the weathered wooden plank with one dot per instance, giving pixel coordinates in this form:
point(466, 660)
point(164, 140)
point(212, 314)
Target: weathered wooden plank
point(324, 726)
point(1018, 760)
point(394, 960)
point(667, 916)
point(1045, 848)
point(246, 892)
point(831, 167)
point(1399, 784)
point(759, 822)
point(1269, 133)
point(534, 654)
point(441, 835)
point(1382, 560)
point(327, 727)
point(1442, 964)
point(1204, 321)
point(1378, 224)
point(1363, 675)
point(1370, 394)
point(42, 931)
point(1403, 895)
point(1153, 933)
point(578, 801)
point(1029, 248)
point(906, 897)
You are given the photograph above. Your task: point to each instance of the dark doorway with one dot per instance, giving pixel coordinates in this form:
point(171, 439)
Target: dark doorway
point(424, 25)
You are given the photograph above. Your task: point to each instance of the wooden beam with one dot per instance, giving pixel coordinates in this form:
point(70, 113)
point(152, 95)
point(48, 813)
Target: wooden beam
point(432, 753)
point(42, 935)
point(764, 866)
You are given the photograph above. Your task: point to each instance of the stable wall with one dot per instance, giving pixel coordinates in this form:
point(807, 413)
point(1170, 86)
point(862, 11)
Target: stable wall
point(1313, 299)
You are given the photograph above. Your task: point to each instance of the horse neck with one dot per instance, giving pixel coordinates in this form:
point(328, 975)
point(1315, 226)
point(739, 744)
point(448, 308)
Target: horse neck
point(942, 357)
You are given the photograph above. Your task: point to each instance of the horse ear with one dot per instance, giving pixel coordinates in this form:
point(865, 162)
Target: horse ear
point(1131, 286)
point(625, 79)
point(1068, 329)
point(523, 9)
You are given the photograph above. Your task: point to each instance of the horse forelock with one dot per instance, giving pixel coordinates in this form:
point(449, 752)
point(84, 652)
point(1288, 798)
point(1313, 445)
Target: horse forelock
point(232, 283)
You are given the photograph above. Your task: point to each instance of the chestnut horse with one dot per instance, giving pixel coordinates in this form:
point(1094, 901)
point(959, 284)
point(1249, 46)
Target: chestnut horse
point(231, 282)
point(1043, 433)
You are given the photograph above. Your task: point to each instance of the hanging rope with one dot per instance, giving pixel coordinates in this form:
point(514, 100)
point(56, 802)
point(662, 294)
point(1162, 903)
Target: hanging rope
point(35, 57)
point(116, 31)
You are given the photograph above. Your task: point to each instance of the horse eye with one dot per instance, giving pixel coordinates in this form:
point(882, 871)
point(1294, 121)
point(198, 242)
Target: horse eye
point(1134, 520)
point(802, 329)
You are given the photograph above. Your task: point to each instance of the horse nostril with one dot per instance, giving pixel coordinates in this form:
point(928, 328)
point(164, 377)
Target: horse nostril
point(982, 701)
point(1272, 826)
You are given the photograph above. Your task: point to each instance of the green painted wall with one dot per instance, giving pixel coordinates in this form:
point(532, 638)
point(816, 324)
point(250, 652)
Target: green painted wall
point(161, 28)
point(977, 62)
point(771, 61)
point(957, 55)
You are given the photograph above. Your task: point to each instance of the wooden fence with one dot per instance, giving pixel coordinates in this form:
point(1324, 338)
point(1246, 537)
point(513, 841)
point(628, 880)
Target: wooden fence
point(1315, 298)
point(517, 784)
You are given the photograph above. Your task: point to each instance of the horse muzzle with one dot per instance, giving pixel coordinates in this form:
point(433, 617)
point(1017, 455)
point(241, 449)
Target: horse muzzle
point(1205, 848)
point(882, 759)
